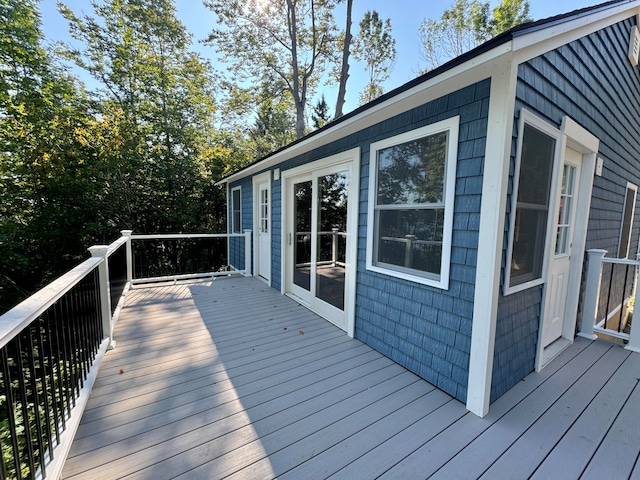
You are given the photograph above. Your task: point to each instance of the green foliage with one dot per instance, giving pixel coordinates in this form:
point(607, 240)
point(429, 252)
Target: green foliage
point(465, 25)
point(320, 115)
point(141, 153)
point(285, 41)
point(377, 48)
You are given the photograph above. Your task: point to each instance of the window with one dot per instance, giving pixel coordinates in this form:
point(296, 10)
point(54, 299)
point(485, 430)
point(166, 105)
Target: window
point(627, 220)
point(532, 189)
point(411, 195)
point(236, 211)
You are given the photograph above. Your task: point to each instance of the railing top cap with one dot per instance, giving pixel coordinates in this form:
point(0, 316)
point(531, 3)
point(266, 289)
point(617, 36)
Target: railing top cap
point(98, 250)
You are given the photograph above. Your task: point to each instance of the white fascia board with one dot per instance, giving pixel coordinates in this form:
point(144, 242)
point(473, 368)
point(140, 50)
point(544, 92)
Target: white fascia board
point(536, 43)
point(474, 70)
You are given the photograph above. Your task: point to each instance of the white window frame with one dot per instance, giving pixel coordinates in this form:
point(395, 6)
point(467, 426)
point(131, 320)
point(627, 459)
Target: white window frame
point(236, 228)
point(536, 122)
point(450, 125)
point(634, 188)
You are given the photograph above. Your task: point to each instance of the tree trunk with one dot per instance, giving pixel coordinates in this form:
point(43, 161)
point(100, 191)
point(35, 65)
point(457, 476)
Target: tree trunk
point(344, 72)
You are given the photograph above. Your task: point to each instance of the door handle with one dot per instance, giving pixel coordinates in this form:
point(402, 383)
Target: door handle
point(289, 238)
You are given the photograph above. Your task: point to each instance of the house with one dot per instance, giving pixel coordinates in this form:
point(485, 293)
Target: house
point(445, 224)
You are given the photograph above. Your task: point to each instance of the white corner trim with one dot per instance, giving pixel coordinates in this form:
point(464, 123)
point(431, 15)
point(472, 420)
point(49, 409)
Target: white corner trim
point(492, 220)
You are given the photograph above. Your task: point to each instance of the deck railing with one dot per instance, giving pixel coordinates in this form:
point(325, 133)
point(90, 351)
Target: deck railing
point(609, 299)
point(52, 344)
point(181, 256)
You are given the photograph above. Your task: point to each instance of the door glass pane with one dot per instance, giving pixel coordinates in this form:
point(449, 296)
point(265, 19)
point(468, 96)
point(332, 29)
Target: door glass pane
point(264, 211)
point(566, 210)
point(302, 234)
point(331, 238)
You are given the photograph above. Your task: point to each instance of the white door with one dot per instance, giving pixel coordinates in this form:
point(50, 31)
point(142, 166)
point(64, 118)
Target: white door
point(561, 255)
point(317, 243)
point(264, 232)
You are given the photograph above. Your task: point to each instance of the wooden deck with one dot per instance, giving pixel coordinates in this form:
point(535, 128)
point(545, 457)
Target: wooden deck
point(230, 379)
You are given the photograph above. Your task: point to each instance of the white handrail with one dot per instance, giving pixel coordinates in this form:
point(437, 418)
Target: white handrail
point(20, 316)
point(178, 236)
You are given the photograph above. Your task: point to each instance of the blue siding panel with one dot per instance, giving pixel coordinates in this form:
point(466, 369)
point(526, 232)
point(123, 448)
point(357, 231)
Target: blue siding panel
point(592, 81)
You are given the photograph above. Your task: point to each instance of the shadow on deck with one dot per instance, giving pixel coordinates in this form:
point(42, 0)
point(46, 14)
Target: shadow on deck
point(230, 379)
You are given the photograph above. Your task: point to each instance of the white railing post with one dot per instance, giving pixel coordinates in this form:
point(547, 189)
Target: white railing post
point(592, 293)
point(129, 250)
point(408, 252)
point(634, 334)
point(100, 251)
point(247, 253)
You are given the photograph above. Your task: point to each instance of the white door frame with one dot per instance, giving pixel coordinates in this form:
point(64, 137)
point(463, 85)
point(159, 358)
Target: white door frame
point(350, 160)
point(257, 181)
point(579, 139)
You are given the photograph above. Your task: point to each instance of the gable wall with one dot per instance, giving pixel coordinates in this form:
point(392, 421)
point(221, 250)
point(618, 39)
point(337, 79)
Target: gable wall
point(592, 81)
point(425, 329)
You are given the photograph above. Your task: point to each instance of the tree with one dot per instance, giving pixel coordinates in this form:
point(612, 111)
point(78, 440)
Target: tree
point(465, 25)
point(273, 127)
point(344, 65)
point(377, 48)
point(47, 185)
point(320, 114)
point(277, 40)
point(140, 52)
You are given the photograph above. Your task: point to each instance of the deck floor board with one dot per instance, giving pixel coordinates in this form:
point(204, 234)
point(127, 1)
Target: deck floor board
point(230, 379)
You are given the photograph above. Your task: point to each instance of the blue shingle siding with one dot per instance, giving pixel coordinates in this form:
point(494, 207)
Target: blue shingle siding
point(592, 81)
point(276, 233)
point(431, 319)
point(425, 329)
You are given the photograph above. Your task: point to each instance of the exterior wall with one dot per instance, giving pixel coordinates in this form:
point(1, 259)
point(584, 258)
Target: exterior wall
point(592, 81)
point(236, 245)
point(426, 329)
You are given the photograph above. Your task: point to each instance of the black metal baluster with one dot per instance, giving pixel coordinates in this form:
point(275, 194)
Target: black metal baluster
point(45, 376)
point(97, 311)
point(31, 362)
point(67, 358)
point(8, 391)
point(24, 405)
point(624, 291)
point(75, 347)
point(81, 316)
point(61, 364)
point(606, 312)
point(54, 372)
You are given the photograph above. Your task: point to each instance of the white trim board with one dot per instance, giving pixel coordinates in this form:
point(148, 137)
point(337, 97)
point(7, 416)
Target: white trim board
point(490, 242)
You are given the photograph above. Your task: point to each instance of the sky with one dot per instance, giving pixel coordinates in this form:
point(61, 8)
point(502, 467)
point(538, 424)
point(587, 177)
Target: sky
point(405, 17)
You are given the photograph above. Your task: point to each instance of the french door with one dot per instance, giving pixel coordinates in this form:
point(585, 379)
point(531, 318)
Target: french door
point(319, 240)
